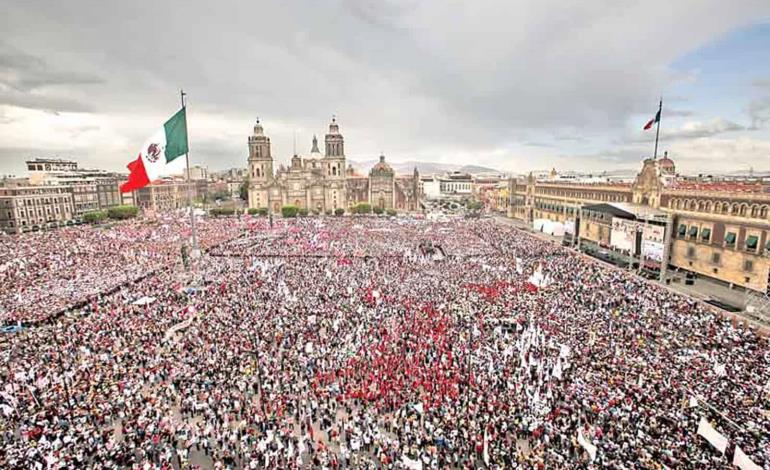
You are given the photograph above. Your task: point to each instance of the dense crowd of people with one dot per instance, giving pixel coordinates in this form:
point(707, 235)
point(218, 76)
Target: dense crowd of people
point(43, 273)
point(340, 342)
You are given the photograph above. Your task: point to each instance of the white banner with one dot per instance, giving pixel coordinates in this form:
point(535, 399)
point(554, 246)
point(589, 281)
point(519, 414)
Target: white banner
point(652, 242)
point(652, 250)
point(712, 435)
point(590, 448)
point(623, 234)
point(743, 461)
point(623, 238)
point(411, 464)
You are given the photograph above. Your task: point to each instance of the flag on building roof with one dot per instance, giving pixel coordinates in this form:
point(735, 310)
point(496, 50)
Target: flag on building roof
point(166, 145)
point(652, 121)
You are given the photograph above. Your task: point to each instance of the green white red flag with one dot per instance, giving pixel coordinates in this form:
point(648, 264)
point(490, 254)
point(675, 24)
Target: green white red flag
point(652, 121)
point(167, 144)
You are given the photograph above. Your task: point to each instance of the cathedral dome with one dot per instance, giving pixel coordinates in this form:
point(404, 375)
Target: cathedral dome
point(666, 164)
point(382, 168)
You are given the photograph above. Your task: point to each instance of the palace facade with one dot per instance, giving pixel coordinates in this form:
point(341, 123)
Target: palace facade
point(717, 229)
point(324, 182)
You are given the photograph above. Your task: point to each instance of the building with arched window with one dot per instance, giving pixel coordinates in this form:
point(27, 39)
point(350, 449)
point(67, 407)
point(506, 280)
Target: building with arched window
point(323, 182)
point(719, 229)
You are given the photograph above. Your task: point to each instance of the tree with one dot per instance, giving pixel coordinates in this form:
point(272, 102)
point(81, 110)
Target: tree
point(339, 211)
point(474, 205)
point(303, 212)
point(243, 190)
point(362, 208)
point(378, 210)
point(289, 211)
point(217, 211)
point(122, 212)
point(94, 216)
point(253, 211)
point(221, 195)
point(262, 211)
point(391, 212)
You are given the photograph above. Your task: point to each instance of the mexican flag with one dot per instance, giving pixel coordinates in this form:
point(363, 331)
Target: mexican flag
point(154, 160)
point(652, 121)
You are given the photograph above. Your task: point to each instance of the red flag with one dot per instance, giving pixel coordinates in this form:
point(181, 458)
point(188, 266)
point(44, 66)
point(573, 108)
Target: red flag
point(138, 177)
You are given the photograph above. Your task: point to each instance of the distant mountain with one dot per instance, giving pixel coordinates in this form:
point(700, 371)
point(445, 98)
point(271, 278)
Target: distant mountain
point(475, 169)
point(425, 168)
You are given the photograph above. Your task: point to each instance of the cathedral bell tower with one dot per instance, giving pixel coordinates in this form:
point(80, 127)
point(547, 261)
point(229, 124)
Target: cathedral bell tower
point(334, 169)
point(260, 167)
point(335, 151)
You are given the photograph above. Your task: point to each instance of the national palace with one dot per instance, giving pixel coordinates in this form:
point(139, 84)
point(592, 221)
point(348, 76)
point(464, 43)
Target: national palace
point(715, 228)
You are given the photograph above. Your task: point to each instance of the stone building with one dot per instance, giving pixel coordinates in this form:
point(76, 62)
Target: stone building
point(91, 189)
point(323, 182)
point(25, 207)
point(163, 195)
point(718, 229)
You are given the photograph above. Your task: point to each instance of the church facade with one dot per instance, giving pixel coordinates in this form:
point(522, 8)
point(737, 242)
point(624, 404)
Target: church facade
point(322, 183)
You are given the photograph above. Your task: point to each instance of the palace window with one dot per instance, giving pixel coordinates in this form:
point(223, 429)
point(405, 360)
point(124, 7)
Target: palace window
point(682, 230)
point(716, 258)
point(693, 231)
point(705, 234)
point(691, 252)
point(730, 239)
point(748, 265)
point(751, 242)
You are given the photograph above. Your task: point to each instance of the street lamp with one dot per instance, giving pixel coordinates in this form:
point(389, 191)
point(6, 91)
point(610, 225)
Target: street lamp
point(61, 371)
point(255, 352)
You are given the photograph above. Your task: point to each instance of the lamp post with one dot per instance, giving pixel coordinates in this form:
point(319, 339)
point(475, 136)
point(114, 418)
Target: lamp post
point(255, 352)
point(469, 367)
point(641, 244)
point(61, 371)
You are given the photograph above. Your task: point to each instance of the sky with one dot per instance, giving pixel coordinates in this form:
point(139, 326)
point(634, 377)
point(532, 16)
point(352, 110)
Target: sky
point(513, 85)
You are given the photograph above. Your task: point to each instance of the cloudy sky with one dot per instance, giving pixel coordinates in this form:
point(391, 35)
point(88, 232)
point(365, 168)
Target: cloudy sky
point(516, 85)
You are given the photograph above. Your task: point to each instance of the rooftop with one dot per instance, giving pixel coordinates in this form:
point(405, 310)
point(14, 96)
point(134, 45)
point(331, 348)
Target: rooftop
point(720, 186)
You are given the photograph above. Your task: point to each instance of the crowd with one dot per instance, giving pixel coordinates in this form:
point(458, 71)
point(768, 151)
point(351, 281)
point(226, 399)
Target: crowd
point(337, 343)
point(43, 273)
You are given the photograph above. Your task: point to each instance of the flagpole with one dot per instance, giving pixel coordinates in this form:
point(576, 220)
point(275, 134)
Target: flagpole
point(657, 130)
point(189, 187)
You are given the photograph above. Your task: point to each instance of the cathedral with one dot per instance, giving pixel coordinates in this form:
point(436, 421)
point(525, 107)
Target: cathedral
point(322, 183)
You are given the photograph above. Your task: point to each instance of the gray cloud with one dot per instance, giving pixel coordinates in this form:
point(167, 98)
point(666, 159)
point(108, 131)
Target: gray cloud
point(54, 103)
point(433, 78)
point(759, 112)
point(25, 72)
point(29, 81)
point(696, 130)
point(689, 130)
point(678, 112)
